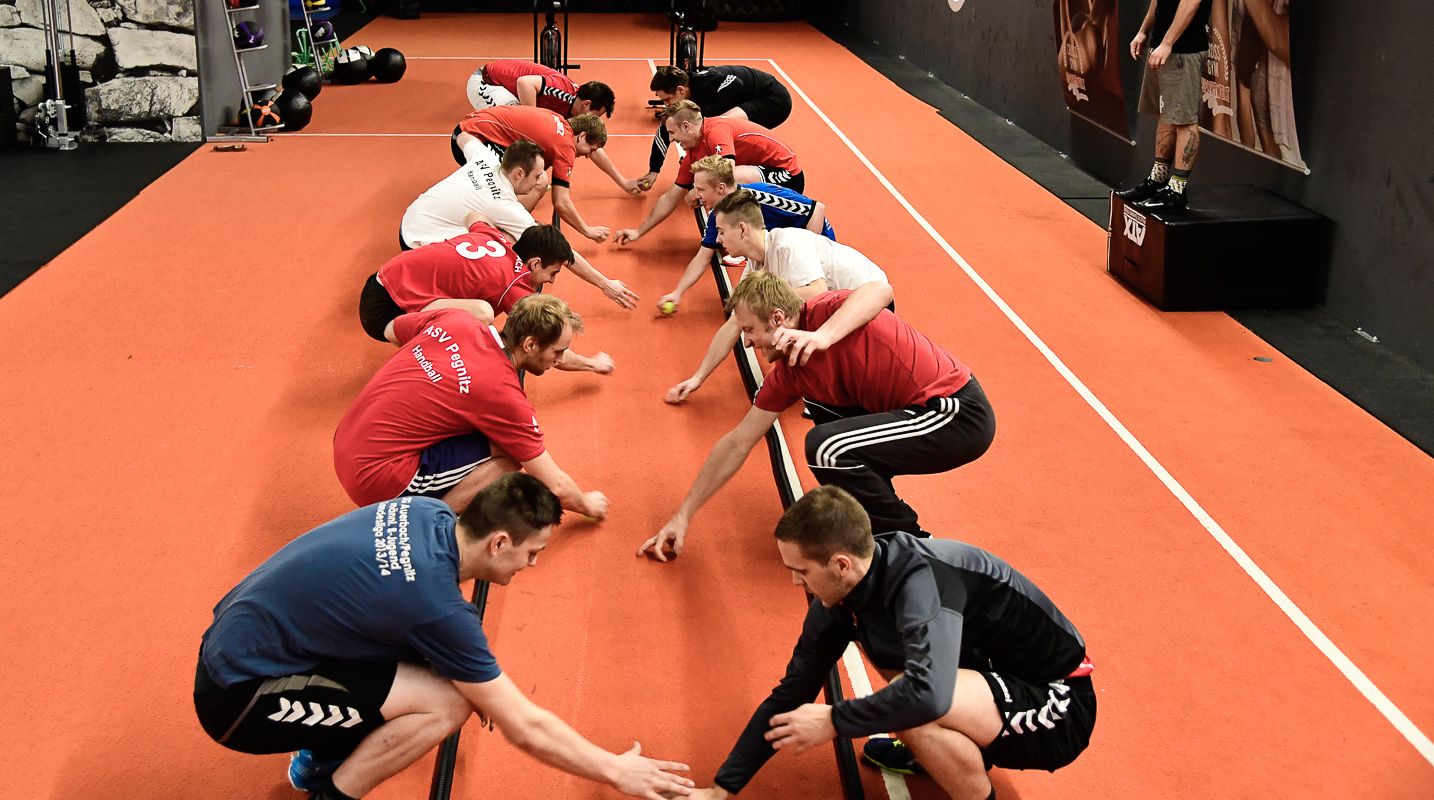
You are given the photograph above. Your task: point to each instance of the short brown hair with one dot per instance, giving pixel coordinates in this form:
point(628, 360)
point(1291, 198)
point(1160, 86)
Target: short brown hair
point(762, 293)
point(683, 111)
point(546, 243)
point(741, 206)
point(592, 125)
point(718, 167)
point(668, 80)
point(517, 503)
point(521, 153)
point(827, 521)
point(541, 316)
point(599, 95)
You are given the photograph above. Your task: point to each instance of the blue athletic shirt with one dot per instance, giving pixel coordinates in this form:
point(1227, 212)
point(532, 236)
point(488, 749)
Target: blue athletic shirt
point(781, 208)
point(377, 584)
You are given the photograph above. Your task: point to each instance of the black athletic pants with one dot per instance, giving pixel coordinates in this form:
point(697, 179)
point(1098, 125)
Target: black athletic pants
point(861, 452)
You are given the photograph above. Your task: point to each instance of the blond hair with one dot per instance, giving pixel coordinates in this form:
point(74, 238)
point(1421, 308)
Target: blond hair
point(762, 293)
point(593, 126)
point(741, 206)
point(541, 316)
point(718, 168)
point(683, 111)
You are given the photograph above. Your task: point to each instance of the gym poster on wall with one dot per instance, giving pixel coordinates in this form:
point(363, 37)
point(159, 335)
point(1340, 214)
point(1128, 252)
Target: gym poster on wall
point(1245, 87)
point(1089, 58)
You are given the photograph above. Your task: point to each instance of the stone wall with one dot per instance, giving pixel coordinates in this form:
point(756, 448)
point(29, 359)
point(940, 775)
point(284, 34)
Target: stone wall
point(137, 64)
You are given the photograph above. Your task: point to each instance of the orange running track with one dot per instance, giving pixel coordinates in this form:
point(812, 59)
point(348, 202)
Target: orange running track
point(203, 344)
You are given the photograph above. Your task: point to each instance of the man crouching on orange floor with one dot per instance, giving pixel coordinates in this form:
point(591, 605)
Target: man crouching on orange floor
point(983, 670)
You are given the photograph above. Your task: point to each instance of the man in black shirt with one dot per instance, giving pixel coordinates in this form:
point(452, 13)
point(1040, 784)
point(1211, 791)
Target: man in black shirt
point(723, 91)
point(1171, 90)
point(983, 669)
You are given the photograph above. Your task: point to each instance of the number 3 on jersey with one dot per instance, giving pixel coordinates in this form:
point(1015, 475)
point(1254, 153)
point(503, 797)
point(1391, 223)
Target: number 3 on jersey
point(491, 248)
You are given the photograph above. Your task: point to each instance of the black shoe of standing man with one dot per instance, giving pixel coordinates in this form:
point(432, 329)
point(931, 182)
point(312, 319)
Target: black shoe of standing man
point(1144, 190)
point(1165, 200)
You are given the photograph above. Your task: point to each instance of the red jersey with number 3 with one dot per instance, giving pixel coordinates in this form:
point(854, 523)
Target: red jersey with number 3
point(503, 125)
point(749, 143)
point(884, 365)
point(478, 265)
point(450, 377)
point(557, 93)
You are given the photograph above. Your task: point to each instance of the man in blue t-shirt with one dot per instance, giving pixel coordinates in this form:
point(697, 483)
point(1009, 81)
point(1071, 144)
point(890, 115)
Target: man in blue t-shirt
point(354, 646)
point(712, 180)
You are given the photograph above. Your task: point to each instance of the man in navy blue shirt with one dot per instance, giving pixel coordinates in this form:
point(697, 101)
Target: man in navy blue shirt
point(712, 180)
point(354, 646)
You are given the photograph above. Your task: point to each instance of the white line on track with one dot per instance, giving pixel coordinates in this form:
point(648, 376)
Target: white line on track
point(861, 687)
point(1366, 687)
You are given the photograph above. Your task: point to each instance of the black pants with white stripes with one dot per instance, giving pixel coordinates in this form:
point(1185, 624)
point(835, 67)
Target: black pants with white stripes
point(861, 452)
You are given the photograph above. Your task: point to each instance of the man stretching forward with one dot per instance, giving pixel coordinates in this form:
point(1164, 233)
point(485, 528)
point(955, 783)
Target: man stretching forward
point(480, 272)
point(719, 91)
point(354, 646)
point(480, 190)
point(982, 669)
point(446, 414)
point(758, 156)
point(811, 264)
point(712, 180)
point(563, 142)
point(513, 82)
point(886, 400)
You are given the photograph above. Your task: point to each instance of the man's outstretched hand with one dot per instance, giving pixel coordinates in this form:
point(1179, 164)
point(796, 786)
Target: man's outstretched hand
point(671, 535)
point(640, 776)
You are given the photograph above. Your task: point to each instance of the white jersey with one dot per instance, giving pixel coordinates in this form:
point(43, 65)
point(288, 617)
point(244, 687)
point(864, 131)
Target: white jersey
point(437, 215)
point(800, 257)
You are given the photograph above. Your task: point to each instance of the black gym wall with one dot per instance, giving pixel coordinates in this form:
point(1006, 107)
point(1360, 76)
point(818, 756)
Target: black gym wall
point(1363, 83)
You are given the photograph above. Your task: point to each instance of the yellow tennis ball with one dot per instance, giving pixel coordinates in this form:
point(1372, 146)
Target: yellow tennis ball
point(668, 307)
point(645, 185)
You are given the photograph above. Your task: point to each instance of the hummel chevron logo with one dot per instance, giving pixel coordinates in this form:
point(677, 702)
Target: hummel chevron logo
point(727, 81)
point(292, 712)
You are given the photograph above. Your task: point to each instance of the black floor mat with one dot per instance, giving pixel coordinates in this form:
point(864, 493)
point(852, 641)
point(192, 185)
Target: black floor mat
point(50, 199)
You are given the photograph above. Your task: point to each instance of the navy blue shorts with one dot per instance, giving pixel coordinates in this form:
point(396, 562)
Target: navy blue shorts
point(442, 466)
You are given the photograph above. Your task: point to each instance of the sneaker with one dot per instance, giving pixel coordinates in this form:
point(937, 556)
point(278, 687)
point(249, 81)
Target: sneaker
point(307, 774)
point(1143, 191)
point(891, 755)
point(1165, 200)
point(734, 261)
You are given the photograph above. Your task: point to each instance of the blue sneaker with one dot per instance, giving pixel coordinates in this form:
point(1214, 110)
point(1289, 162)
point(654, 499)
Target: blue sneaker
point(891, 755)
point(307, 774)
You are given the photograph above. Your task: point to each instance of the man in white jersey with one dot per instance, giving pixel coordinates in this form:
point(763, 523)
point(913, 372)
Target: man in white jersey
point(809, 262)
point(479, 190)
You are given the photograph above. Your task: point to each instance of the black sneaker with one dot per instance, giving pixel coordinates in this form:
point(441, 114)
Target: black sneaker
point(1143, 191)
point(1165, 200)
point(891, 755)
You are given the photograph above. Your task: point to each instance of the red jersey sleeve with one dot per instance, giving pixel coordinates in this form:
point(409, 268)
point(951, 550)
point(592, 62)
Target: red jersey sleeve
point(410, 325)
point(718, 135)
point(684, 169)
point(507, 419)
point(778, 391)
point(564, 154)
point(516, 291)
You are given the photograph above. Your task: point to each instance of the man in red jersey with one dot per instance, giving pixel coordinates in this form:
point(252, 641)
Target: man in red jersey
point(514, 82)
point(758, 156)
point(446, 415)
point(563, 142)
point(886, 400)
point(480, 272)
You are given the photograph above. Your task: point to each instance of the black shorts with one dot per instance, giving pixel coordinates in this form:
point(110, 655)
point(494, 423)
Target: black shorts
point(458, 156)
point(771, 109)
point(780, 177)
point(328, 710)
point(376, 308)
point(1047, 725)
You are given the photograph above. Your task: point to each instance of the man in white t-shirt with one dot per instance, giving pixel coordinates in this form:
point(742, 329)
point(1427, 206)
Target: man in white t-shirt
point(810, 262)
point(480, 191)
